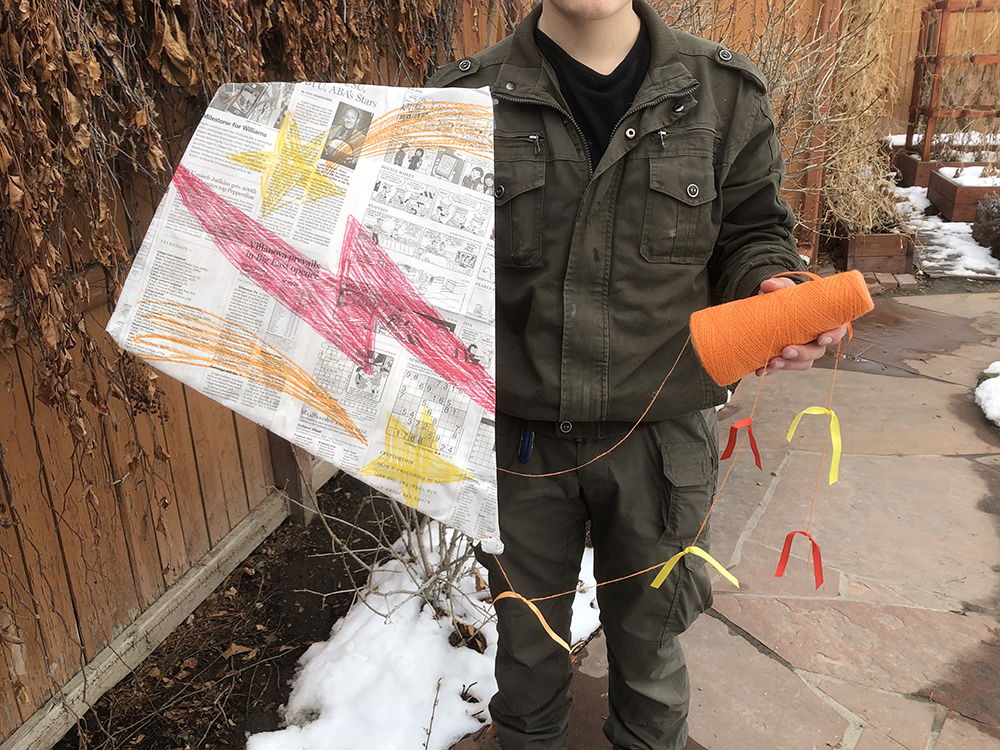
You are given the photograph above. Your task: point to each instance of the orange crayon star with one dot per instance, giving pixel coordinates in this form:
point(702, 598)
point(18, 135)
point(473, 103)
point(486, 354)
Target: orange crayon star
point(412, 459)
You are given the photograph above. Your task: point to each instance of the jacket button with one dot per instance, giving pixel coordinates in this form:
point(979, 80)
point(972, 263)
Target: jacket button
point(725, 55)
point(693, 190)
point(565, 427)
point(678, 108)
point(510, 86)
point(630, 133)
point(465, 65)
point(498, 191)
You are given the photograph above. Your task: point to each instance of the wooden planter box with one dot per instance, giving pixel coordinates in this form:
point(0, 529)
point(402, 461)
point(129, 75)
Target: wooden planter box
point(913, 172)
point(879, 253)
point(956, 202)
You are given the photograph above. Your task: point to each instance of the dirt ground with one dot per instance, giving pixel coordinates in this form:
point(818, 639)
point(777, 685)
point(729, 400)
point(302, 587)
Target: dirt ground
point(226, 670)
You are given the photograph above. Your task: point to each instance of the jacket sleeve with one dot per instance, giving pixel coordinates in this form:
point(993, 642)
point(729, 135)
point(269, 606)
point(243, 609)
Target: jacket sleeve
point(755, 236)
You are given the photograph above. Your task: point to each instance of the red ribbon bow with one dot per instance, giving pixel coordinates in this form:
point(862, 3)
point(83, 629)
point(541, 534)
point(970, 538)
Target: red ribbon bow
point(817, 558)
point(748, 423)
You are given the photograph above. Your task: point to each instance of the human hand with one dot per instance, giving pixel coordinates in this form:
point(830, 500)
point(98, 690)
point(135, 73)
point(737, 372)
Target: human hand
point(798, 356)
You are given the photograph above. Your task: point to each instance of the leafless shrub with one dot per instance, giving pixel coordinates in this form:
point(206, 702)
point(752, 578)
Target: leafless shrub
point(986, 227)
point(828, 91)
point(434, 557)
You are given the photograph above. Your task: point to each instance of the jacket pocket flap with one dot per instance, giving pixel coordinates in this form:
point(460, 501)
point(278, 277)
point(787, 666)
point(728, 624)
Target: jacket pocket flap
point(687, 464)
point(522, 177)
point(689, 179)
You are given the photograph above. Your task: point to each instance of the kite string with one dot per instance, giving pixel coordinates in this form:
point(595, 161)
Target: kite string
point(511, 593)
point(613, 447)
point(534, 600)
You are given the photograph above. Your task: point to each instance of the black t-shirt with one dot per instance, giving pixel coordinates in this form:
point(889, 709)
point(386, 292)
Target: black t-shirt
point(597, 101)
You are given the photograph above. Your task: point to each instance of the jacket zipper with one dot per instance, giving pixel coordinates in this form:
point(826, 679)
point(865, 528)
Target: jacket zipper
point(560, 110)
point(652, 103)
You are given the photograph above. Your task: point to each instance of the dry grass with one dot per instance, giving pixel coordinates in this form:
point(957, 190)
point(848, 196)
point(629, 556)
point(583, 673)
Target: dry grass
point(858, 187)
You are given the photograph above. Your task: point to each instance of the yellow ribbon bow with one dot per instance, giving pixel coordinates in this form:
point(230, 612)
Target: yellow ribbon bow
point(834, 435)
point(669, 565)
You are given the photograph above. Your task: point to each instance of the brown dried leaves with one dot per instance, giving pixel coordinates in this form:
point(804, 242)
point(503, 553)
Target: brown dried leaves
point(178, 67)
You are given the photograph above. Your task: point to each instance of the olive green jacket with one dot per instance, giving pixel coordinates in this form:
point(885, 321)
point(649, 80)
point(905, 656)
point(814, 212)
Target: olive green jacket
point(597, 273)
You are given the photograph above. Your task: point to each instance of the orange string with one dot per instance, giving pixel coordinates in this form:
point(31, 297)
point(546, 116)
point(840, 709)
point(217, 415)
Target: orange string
point(512, 594)
point(790, 306)
point(633, 429)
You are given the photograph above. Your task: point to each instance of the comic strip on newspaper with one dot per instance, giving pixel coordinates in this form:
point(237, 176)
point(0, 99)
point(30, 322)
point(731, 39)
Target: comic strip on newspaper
point(322, 264)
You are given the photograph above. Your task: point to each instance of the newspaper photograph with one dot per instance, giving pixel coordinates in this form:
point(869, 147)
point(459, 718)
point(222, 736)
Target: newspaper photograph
point(322, 264)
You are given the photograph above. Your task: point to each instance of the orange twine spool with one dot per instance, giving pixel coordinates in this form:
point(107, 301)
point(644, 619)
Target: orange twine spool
point(734, 339)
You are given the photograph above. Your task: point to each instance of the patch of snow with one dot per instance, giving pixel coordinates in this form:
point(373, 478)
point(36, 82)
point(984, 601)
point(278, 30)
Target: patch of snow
point(970, 176)
point(944, 247)
point(374, 683)
point(988, 394)
point(912, 201)
point(971, 138)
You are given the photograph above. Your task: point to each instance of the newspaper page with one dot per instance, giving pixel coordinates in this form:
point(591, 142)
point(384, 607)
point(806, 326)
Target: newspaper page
point(322, 264)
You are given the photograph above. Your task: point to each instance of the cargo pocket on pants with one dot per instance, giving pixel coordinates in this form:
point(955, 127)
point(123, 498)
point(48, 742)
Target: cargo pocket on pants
point(691, 471)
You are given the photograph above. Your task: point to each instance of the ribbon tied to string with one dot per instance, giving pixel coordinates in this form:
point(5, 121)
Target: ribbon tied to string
point(834, 436)
point(538, 613)
point(817, 559)
point(698, 551)
point(733, 431)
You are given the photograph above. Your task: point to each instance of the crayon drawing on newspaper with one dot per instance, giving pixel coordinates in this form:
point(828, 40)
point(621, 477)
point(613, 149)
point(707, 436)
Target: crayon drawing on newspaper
point(323, 265)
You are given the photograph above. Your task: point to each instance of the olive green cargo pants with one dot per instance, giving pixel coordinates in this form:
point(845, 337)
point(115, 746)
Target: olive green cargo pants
point(646, 501)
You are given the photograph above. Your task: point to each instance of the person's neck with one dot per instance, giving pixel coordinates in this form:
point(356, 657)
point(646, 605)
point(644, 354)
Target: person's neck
point(601, 44)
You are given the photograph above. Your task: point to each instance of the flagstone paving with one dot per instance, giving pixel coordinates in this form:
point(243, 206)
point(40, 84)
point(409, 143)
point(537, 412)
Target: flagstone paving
point(900, 647)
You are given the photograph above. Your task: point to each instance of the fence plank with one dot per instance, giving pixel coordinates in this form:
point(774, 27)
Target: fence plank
point(88, 521)
point(10, 716)
point(130, 455)
point(169, 532)
point(184, 468)
point(20, 631)
point(219, 468)
point(29, 506)
point(254, 460)
point(157, 483)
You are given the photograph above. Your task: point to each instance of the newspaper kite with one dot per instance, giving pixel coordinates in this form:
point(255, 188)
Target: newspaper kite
point(322, 264)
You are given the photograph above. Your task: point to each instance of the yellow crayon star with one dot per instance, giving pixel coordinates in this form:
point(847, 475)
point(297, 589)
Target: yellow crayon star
point(290, 165)
point(412, 460)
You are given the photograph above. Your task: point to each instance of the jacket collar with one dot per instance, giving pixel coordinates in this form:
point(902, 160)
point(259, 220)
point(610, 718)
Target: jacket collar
point(526, 75)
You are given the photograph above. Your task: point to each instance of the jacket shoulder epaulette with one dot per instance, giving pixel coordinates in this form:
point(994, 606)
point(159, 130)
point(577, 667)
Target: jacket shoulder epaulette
point(688, 44)
point(453, 72)
point(489, 58)
point(742, 64)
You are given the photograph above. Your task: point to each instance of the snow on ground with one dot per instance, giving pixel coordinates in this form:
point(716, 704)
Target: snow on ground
point(373, 684)
point(970, 176)
point(970, 138)
point(988, 394)
point(944, 248)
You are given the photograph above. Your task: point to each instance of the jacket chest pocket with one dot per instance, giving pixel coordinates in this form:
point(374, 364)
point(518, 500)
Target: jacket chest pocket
point(520, 188)
point(678, 225)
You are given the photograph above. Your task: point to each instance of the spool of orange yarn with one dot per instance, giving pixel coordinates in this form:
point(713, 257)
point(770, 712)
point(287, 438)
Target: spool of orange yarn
point(734, 339)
